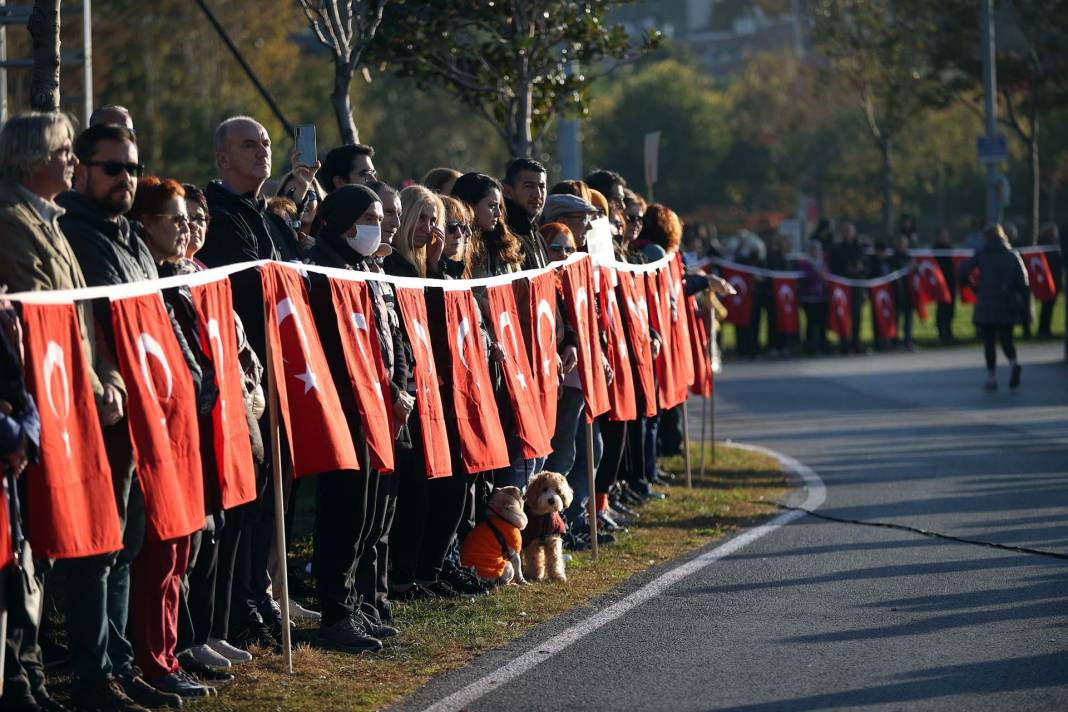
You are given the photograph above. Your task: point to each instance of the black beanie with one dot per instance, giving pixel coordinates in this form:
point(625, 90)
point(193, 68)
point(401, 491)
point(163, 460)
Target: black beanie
point(342, 208)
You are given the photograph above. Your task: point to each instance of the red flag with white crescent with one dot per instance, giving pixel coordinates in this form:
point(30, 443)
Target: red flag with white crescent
point(917, 294)
point(633, 295)
point(541, 336)
point(739, 305)
point(318, 434)
point(530, 428)
point(162, 414)
point(702, 384)
point(577, 285)
point(660, 321)
point(966, 290)
point(482, 444)
point(367, 372)
point(427, 382)
point(71, 499)
point(233, 453)
point(840, 315)
point(787, 320)
point(932, 280)
point(884, 311)
point(1040, 276)
point(680, 326)
point(621, 389)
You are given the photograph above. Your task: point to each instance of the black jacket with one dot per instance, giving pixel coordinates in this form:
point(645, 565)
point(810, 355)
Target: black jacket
point(109, 253)
point(1004, 295)
point(521, 224)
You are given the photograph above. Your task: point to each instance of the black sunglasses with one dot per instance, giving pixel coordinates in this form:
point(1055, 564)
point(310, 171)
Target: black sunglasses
point(114, 168)
point(635, 219)
point(458, 227)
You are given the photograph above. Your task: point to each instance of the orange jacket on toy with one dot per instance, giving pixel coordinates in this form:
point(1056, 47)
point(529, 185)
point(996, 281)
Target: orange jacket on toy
point(482, 550)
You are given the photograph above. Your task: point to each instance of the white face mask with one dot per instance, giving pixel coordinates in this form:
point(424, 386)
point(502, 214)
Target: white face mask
point(366, 240)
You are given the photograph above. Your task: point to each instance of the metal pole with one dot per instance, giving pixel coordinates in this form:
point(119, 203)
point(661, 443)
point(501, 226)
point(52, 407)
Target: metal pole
point(3, 69)
point(591, 480)
point(569, 141)
point(279, 502)
point(990, 105)
point(87, 63)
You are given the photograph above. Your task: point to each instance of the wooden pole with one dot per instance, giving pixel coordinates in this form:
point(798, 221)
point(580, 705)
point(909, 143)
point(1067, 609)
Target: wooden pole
point(711, 400)
point(279, 500)
point(686, 444)
point(591, 480)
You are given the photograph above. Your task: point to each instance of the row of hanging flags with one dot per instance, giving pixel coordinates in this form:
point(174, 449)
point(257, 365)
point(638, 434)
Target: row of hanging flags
point(72, 509)
point(926, 284)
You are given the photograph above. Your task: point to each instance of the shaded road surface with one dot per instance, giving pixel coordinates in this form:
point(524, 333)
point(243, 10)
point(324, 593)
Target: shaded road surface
point(823, 615)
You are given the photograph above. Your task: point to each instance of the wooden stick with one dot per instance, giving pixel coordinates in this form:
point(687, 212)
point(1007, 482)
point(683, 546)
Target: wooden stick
point(591, 503)
point(707, 405)
point(279, 500)
point(686, 444)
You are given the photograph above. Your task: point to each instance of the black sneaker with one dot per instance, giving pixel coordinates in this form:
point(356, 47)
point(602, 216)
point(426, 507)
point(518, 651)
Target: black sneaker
point(271, 613)
point(344, 635)
point(415, 592)
point(371, 627)
point(144, 694)
point(251, 632)
point(462, 579)
point(1014, 379)
point(201, 671)
point(441, 589)
point(45, 702)
point(181, 684)
point(104, 695)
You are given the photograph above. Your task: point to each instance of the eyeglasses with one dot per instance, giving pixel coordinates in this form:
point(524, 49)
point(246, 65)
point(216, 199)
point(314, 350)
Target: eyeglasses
point(114, 168)
point(586, 218)
point(458, 227)
point(202, 221)
point(635, 219)
point(566, 249)
point(178, 220)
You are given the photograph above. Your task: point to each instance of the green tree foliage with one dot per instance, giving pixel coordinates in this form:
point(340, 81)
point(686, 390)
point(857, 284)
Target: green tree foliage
point(507, 60)
point(680, 102)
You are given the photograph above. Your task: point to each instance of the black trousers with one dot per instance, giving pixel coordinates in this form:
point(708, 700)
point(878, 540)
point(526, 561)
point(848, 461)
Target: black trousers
point(372, 570)
point(613, 443)
point(250, 581)
point(340, 523)
point(1045, 317)
point(944, 320)
point(669, 432)
point(815, 326)
point(428, 513)
point(196, 601)
point(24, 597)
point(226, 563)
point(992, 333)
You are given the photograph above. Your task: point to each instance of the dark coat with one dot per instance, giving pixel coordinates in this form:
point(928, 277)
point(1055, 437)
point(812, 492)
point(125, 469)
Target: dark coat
point(521, 224)
point(1004, 295)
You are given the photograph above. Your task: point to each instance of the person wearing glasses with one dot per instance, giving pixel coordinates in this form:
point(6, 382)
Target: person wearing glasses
point(349, 164)
point(110, 252)
point(559, 242)
point(574, 212)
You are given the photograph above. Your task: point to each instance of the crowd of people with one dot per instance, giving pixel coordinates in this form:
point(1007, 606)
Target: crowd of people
point(164, 620)
point(841, 252)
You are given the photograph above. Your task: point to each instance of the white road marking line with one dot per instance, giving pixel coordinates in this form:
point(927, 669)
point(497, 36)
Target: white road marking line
point(816, 493)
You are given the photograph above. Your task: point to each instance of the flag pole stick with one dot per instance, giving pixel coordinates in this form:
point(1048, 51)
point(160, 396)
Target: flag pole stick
point(591, 480)
point(712, 379)
point(706, 399)
point(686, 443)
point(279, 502)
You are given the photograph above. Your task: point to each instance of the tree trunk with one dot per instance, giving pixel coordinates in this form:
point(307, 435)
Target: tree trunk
point(520, 140)
point(1036, 178)
point(886, 146)
point(44, 36)
point(342, 106)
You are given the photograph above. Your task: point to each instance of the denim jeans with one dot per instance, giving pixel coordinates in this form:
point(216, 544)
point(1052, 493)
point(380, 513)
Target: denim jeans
point(578, 478)
point(568, 419)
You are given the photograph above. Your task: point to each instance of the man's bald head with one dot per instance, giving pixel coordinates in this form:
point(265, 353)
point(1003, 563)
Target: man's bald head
point(243, 153)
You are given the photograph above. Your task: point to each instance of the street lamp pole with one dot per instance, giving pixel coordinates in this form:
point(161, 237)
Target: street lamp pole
point(990, 105)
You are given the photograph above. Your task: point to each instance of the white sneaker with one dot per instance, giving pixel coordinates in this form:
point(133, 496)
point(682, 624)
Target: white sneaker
point(234, 655)
point(298, 612)
point(209, 658)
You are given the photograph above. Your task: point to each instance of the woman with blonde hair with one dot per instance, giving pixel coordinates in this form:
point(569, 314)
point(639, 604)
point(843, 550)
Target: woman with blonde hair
point(421, 236)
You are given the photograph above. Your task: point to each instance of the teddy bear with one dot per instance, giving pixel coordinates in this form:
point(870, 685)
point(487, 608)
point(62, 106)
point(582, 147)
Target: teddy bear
point(492, 548)
point(548, 494)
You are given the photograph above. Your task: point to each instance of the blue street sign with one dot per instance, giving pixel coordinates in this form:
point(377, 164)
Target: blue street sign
point(992, 149)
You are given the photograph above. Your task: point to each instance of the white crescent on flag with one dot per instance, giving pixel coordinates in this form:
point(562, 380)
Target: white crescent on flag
point(461, 340)
point(1036, 268)
point(786, 296)
point(838, 298)
point(287, 309)
point(741, 287)
point(54, 360)
point(148, 346)
point(215, 334)
point(545, 311)
point(504, 322)
point(359, 323)
point(882, 300)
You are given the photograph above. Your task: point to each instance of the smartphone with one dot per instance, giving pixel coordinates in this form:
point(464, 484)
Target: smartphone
point(306, 152)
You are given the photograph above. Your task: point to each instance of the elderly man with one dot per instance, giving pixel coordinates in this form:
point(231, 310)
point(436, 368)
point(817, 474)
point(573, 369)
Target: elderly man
point(573, 211)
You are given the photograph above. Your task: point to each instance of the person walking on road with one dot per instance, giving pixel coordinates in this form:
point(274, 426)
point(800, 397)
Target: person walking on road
point(1004, 300)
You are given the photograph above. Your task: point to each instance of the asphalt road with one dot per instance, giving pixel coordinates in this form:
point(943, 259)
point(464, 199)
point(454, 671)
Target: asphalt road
point(824, 615)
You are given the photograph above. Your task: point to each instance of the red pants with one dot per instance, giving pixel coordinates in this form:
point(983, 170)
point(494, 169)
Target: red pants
point(155, 580)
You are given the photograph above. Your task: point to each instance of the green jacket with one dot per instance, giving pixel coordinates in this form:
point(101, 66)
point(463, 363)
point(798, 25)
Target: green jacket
point(34, 255)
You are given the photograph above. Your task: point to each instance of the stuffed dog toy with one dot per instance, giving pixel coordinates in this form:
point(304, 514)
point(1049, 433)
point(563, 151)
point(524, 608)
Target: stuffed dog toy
point(548, 494)
point(492, 548)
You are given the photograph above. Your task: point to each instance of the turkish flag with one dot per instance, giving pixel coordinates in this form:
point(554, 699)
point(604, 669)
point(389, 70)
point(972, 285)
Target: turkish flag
point(233, 452)
point(633, 295)
point(917, 294)
point(882, 304)
point(967, 291)
point(680, 326)
point(541, 336)
point(71, 499)
point(1040, 276)
point(702, 384)
point(577, 284)
point(427, 384)
point(367, 373)
point(660, 322)
point(318, 434)
point(621, 389)
point(162, 414)
point(740, 305)
point(482, 444)
point(786, 316)
point(840, 315)
point(932, 280)
point(530, 428)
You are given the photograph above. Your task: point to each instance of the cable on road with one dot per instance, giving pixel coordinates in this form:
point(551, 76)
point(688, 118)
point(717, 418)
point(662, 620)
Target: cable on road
point(925, 532)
